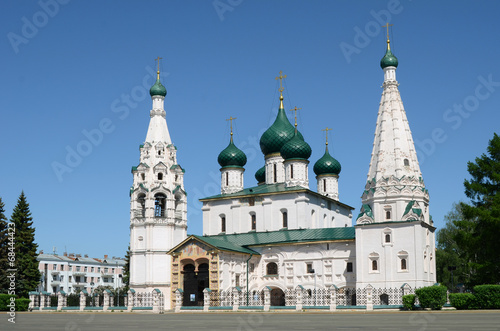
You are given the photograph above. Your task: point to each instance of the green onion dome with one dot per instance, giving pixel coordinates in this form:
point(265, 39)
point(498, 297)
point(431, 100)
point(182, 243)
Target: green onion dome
point(232, 156)
point(260, 175)
point(296, 148)
point(327, 165)
point(389, 60)
point(158, 88)
point(278, 134)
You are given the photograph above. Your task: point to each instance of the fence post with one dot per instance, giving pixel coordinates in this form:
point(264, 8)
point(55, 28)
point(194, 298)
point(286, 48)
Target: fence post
point(156, 300)
point(236, 298)
point(333, 297)
point(178, 299)
point(267, 298)
point(206, 299)
point(83, 300)
point(130, 299)
point(300, 295)
point(43, 299)
point(369, 297)
point(105, 306)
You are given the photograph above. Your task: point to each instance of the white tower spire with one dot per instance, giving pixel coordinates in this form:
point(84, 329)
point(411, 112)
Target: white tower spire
point(158, 212)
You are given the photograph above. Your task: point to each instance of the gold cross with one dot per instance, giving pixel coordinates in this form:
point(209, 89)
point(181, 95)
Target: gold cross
point(387, 26)
point(231, 121)
point(281, 77)
point(327, 129)
point(295, 110)
point(158, 59)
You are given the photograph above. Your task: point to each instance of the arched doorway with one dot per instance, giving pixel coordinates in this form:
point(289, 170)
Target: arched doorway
point(277, 297)
point(195, 281)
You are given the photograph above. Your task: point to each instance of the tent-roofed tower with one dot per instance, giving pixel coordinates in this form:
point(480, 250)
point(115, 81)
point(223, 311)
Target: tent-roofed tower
point(395, 239)
point(395, 190)
point(158, 209)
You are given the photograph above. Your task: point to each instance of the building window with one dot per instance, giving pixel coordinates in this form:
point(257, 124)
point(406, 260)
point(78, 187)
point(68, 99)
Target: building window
point(143, 176)
point(237, 280)
point(374, 258)
point(160, 204)
point(85, 269)
point(78, 268)
point(285, 219)
point(69, 279)
point(387, 214)
point(406, 163)
point(141, 199)
point(324, 187)
point(223, 224)
point(275, 171)
point(227, 178)
point(272, 268)
point(61, 267)
point(91, 269)
point(387, 238)
point(254, 222)
point(160, 176)
point(291, 171)
point(309, 267)
point(349, 266)
point(54, 267)
point(403, 264)
point(374, 265)
point(252, 267)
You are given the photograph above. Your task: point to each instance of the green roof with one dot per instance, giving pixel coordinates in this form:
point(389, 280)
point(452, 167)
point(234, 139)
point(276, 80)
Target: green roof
point(389, 60)
point(278, 134)
point(158, 88)
point(296, 148)
point(327, 165)
point(225, 245)
point(260, 175)
point(256, 190)
point(232, 156)
point(282, 236)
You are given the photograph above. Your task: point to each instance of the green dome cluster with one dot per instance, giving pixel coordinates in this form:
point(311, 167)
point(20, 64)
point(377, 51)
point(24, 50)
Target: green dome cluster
point(389, 60)
point(296, 148)
point(158, 89)
point(327, 165)
point(260, 175)
point(278, 134)
point(232, 156)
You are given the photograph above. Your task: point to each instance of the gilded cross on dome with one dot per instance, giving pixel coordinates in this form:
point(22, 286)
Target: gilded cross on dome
point(158, 71)
point(230, 119)
point(281, 77)
point(326, 131)
point(295, 110)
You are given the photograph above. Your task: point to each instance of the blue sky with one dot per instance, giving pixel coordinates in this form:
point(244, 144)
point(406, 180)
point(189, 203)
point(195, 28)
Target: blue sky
point(70, 68)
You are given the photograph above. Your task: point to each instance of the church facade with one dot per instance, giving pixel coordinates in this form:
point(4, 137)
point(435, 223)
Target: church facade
point(280, 234)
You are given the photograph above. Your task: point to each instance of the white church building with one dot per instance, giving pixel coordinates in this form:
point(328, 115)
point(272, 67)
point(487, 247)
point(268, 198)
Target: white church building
point(280, 234)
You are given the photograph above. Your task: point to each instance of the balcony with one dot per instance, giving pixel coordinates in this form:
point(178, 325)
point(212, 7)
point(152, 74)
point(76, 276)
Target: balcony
point(79, 273)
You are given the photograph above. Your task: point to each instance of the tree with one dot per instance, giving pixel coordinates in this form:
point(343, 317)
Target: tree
point(28, 275)
point(126, 268)
point(4, 241)
point(480, 226)
point(449, 254)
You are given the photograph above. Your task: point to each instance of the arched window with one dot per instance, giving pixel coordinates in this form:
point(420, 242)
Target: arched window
point(223, 224)
point(387, 237)
point(285, 219)
point(387, 214)
point(291, 171)
point(374, 265)
point(254, 222)
point(160, 205)
point(275, 171)
point(403, 264)
point(406, 162)
point(143, 176)
point(227, 178)
point(272, 268)
point(141, 199)
point(160, 176)
point(324, 185)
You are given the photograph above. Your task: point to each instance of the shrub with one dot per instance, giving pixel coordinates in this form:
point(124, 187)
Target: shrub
point(409, 301)
point(462, 300)
point(433, 297)
point(4, 301)
point(22, 304)
point(487, 296)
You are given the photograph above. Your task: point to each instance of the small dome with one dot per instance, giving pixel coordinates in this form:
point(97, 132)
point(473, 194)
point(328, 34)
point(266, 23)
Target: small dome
point(158, 89)
point(296, 148)
point(389, 60)
point(327, 165)
point(232, 156)
point(278, 134)
point(260, 175)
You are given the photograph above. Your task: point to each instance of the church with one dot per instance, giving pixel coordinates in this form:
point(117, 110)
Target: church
point(279, 234)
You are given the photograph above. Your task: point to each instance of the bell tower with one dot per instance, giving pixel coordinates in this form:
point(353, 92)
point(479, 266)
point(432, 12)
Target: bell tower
point(158, 211)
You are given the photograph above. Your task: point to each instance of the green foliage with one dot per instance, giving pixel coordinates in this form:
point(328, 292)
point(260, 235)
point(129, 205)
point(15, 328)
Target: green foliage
point(487, 296)
point(478, 230)
point(22, 304)
point(73, 300)
point(28, 275)
point(433, 297)
point(462, 300)
point(126, 268)
point(409, 301)
point(4, 281)
point(4, 301)
point(450, 254)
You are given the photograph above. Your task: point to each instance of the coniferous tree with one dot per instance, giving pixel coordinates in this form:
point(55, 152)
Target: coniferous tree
point(28, 275)
point(480, 227)
point(4, 241)
point(126, 268)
